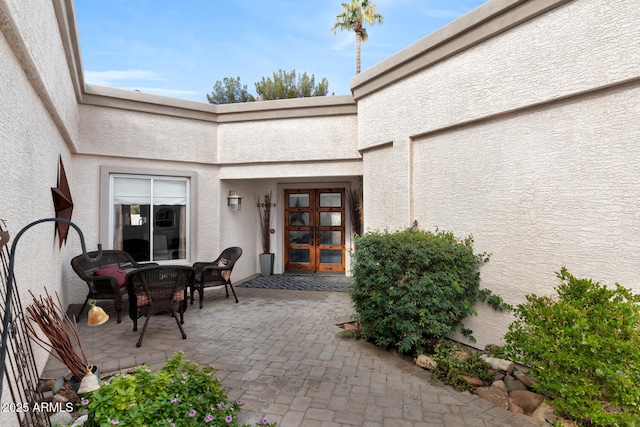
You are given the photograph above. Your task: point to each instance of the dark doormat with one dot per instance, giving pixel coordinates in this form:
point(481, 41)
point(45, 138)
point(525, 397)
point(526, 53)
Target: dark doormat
point(302, 282)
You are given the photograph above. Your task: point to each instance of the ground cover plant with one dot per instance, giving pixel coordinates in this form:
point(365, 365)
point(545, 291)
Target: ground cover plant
point(412, 287)
point(451, 367)
point(583, 349)
point(180, 394)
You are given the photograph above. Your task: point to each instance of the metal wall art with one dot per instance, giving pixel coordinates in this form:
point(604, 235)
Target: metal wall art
point(63, 204)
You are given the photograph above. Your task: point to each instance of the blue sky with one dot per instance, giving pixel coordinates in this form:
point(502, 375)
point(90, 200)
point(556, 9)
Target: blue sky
point(181, 48)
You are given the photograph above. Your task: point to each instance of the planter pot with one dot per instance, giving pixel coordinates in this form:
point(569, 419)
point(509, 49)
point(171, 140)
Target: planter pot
point(266, 264)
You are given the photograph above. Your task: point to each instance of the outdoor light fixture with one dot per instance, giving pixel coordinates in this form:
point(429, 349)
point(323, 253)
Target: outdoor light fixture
point(234, 201)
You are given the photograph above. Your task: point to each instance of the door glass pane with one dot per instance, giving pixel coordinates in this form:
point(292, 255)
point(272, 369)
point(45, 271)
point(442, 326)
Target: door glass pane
point(298, 256)
point(330, 200)
point(299, 237)
point(298, 200)
point(299, 218)
point(330, 257)
point(332, 238)
point(331, 218)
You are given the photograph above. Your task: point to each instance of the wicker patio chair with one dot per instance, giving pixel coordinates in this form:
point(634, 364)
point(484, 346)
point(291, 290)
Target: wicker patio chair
point(216, 273)
point(105, 277)
point(158, 289)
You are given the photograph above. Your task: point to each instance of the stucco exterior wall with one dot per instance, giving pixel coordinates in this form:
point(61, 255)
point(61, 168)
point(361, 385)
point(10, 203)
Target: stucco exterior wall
point(290, 140)
point(578, 46)
point(31, 143)
point(133, 134)
point(526, 141)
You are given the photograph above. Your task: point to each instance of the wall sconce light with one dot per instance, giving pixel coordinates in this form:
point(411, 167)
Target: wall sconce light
point(234, 202)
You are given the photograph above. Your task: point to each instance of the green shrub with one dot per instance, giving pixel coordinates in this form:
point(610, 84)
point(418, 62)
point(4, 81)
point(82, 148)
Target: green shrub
point(180, 394)
point(583, 349)
point(414, 287)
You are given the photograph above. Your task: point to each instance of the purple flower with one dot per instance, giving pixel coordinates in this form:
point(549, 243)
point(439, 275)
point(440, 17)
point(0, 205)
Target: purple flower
point(239, 402)
point(192, 413)
point(264, 421)
point(85, 401)
point(175, 400)
point(114, 422)
point(208, 418)
point(229, 419)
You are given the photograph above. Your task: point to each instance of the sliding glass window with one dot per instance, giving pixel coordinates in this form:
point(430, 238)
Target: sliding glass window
point(149, 217)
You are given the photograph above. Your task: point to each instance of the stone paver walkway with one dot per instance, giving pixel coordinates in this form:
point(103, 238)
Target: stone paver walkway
point(278, 351)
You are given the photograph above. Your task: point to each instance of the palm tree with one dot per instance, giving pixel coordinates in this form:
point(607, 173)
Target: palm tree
point(353, 17)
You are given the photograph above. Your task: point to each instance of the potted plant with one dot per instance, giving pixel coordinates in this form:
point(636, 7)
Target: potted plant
point(264, 214)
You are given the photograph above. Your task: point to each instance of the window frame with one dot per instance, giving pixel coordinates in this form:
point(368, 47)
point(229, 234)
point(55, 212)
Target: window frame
point(107, 173)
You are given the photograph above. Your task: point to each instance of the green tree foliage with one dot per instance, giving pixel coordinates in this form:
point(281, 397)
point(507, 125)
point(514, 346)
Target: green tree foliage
point(583, 349)
point(353, 17)
point(282, 85)
point(229, 91)
point(286, 85)
point(413, 287)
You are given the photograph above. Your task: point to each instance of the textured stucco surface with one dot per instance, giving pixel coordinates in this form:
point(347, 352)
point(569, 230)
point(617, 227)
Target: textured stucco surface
point(579, 46)
point(30, 146)
point(43, 58)
point(111, 131)
point(551, 187)
point(298, 139)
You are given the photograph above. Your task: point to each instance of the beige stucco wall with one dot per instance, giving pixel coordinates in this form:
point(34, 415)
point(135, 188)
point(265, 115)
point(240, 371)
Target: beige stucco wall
point(37, 116)
point(496, 152)
point(134, 134)
point(290, 140)
point(577, 47)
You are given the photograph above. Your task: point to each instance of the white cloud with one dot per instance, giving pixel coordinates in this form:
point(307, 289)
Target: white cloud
point(344, 40)
point(106, 78)
point(161, 91)
point(442, 13)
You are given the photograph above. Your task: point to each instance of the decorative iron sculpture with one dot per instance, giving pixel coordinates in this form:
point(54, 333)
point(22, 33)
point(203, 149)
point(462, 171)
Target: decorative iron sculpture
point(6, 320)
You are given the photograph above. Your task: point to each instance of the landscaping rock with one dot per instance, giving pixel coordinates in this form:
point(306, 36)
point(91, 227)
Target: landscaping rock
point(426, 362)
point(473, 381)
point(524, 379)
point(80, 421)
point(513, 383)
point(527, 400)
point(496, 394)
point(515, 408)
point(544, 415)
point(499, 364)
point(61, 419)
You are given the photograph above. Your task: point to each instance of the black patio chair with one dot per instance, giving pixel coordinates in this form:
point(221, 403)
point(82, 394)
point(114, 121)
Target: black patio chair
point(158, 289)
point(216, 273)
point(105, 277)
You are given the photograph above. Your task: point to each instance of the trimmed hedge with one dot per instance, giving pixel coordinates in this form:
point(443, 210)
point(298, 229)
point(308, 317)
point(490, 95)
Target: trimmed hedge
point(413, 287)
